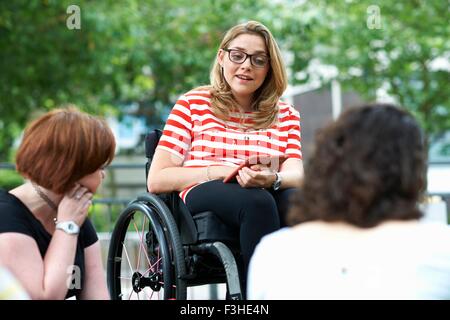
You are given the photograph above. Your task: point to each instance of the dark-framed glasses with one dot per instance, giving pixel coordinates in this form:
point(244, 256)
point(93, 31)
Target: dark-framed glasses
point(258, 60)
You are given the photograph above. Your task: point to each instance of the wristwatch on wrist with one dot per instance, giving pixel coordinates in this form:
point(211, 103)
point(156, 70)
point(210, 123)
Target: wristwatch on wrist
point(68, 227)
point(277, 184)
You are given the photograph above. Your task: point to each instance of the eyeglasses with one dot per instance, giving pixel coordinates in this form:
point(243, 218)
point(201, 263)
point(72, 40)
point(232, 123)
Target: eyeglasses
point(258, 60)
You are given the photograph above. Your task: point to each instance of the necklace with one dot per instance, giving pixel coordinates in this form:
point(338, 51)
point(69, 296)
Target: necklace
point(44, 197)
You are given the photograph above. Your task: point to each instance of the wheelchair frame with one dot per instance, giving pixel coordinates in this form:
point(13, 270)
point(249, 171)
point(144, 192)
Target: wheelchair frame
point(190, 250)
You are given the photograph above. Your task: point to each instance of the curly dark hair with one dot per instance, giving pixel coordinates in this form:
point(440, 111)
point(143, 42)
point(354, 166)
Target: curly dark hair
point(367, 167)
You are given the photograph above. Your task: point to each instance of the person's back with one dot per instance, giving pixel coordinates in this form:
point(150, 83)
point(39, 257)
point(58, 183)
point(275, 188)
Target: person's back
point(357, 233)
point(396, 260)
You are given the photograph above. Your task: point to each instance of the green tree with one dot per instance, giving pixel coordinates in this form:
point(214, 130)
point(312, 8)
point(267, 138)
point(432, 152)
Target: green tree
point(44, 64)
point(399, 53)
point(127, 52)
point(181, 41)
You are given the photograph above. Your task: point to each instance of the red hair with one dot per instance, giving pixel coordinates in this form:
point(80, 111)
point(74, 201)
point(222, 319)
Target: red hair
point(62, 146)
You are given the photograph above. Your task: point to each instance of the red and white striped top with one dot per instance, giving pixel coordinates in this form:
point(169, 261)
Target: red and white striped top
point(194, 134)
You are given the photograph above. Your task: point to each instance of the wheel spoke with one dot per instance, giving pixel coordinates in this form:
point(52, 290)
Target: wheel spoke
point(139, 252)
point(131, 293)
point(151, 267)
point(141, 244)
point(128, 258)
point(148, 274)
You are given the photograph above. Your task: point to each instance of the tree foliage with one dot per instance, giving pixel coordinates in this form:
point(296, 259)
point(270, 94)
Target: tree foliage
point(144, 53)
point(130, 52)
point(406, 51)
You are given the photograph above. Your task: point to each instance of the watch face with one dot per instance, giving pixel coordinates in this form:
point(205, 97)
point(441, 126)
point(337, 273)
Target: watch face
point(69, 227)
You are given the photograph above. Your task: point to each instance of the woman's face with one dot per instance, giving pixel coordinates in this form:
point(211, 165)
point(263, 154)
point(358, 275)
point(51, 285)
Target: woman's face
point(92, 181)
point(244, 78)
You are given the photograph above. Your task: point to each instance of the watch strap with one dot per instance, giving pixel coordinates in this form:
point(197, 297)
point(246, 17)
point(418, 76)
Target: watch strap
point(276, 185)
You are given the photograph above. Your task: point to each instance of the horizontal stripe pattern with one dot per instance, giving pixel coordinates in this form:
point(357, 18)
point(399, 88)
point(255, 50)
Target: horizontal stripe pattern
point(194, 134)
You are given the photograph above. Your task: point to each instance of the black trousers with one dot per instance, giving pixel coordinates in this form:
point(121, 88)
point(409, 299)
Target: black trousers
point(255, 212)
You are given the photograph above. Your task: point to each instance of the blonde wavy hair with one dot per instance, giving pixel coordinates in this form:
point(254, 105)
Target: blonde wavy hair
point(268, 94)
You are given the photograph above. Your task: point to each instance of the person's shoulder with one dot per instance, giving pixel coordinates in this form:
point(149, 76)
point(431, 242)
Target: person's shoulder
point(438, 233)
point(198, 98)
point(287, 108)
point(8, 203)
point(278, 238)
point(199, 93)
point(88, 235)
point(13, 214)
point(434, 251)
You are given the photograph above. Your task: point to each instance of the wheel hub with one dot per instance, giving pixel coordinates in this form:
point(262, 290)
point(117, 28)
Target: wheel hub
point(139, 282)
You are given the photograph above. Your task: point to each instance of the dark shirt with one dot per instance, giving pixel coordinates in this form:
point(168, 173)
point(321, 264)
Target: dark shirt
point(16, 217)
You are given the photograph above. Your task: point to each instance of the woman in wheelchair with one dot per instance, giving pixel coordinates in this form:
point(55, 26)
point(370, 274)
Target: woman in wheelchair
point(213, 129)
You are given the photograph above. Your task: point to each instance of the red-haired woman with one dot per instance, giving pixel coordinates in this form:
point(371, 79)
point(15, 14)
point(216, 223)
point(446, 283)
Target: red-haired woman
point(46, 239)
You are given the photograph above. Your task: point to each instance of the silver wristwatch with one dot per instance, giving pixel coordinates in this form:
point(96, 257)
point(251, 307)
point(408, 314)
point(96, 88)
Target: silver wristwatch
point(68, 227)
point(277, 184)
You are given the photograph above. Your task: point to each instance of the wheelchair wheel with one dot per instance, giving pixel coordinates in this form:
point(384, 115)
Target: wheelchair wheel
point(141, 259)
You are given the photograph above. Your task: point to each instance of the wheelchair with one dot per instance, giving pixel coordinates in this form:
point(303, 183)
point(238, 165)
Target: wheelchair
point(158, 248)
